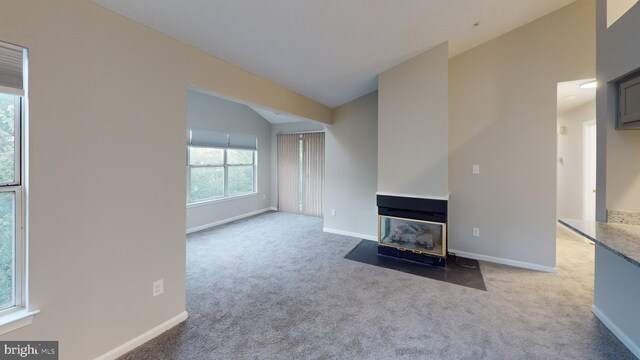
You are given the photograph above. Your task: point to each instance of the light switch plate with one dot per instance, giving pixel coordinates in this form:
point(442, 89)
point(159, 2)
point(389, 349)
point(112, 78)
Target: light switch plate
point(476, 169)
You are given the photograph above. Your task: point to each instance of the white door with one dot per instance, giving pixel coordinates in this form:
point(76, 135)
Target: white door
point(589, 171)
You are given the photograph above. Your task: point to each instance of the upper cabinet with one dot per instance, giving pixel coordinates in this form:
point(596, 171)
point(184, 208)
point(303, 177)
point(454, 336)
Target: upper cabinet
point(629, 103)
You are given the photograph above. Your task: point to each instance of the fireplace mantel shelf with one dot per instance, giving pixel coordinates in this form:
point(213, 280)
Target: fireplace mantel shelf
point(621, 239)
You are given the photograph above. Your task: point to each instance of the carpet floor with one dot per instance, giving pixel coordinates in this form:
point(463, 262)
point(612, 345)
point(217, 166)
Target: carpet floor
point(275, 286)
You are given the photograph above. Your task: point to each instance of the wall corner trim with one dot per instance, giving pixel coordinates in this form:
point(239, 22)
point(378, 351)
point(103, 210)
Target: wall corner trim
point(228, 220)
point(633, 347)
point(349, 233)
point(143, 338)
point(503, 261)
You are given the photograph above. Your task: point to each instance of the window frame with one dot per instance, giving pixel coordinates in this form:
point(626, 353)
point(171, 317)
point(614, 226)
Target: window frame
point(225, 166)
point(17, 188)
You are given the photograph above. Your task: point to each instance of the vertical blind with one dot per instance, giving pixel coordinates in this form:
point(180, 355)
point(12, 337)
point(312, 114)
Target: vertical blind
point(289, 172)
point(301, 173)
point(313, 173)
point(11, 63)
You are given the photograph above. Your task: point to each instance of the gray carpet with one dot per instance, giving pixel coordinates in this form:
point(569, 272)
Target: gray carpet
point(276, 287)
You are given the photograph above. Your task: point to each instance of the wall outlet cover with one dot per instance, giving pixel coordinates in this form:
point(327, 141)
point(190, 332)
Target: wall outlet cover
point(475, 169)
point(476, 232)
point(158, 287)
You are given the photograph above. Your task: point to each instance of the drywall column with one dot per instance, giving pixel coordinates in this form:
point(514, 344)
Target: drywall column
point(618, 53)
point(413, 117)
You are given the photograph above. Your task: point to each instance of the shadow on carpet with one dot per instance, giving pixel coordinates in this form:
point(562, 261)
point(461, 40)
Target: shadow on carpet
point(367, 252)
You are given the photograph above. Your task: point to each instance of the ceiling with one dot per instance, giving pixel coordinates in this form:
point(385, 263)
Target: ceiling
point(570, 95)
point(330, 50)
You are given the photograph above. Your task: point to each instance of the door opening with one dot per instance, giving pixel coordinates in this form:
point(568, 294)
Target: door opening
point(589, 170)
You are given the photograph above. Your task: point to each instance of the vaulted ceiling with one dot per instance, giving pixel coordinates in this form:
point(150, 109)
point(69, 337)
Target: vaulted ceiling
point(329, 50)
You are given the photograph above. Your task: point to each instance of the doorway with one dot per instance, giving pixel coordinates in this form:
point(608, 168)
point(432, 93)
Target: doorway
point(589, 170)
point(576, 150)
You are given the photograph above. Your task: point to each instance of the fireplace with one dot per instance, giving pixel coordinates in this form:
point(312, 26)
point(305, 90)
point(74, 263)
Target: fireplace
point(413, 229)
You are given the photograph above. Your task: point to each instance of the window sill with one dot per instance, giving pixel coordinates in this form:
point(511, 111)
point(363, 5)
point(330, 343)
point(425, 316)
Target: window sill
point(221, 200)
point(16, 319)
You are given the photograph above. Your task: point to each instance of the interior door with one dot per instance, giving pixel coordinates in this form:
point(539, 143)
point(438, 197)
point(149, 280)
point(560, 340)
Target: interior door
point(589, 171)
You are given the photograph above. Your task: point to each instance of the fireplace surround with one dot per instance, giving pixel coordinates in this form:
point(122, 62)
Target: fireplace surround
point(413, 229)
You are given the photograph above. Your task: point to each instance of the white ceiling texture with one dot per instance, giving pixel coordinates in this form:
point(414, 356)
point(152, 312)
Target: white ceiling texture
point(329, 50)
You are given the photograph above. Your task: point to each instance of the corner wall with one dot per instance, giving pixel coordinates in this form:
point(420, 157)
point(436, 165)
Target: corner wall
point(502, 106)
point(351, 149)
point(208, 112)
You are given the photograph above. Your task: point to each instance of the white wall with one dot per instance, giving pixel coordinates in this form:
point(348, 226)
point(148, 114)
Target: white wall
point(351, 168)
point(503, 117)
point(618, 166)
point(276, 129)
point(412, 123)
point(209, 112)
point(570, 147)
point(108, 105)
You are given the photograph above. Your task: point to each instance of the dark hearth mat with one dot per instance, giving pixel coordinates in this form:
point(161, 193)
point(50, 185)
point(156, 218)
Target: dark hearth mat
point(367, 252)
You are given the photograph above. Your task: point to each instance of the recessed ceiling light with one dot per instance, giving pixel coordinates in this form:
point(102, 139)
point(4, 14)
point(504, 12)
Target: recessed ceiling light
point(589, 85)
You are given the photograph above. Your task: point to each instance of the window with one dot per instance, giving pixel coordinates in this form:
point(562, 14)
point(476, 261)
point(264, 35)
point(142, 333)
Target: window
point(12, 251)
point(220, 165)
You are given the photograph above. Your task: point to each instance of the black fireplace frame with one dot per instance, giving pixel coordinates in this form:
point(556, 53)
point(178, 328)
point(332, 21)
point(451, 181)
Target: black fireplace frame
point(412, 208)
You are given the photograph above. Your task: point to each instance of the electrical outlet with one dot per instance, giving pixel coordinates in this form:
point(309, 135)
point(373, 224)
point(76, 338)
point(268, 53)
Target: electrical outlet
point(476, 232)
point(264, 197)
point(476, 169)
point(333, 212)
point(158, 287)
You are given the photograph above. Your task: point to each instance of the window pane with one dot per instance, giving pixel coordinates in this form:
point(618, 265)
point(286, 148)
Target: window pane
point(7, 138)
point(206, 156)
point(239, 157)
point(206, 183)
point(240, 179)
point(7, 243)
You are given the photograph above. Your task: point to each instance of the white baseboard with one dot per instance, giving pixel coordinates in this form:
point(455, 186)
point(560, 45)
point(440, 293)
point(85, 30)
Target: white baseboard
point(137, 341)
point(349, 233)
point(497, 260)
point(633, 347)
point(228, 220)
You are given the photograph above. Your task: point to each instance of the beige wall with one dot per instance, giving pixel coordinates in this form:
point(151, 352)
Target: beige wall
point(502, 104)
point(351, 168)
point(108, 106)
point(618, 166)
point(412, 126)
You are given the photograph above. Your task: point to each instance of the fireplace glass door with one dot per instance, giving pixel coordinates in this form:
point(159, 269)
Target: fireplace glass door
point(418, 236)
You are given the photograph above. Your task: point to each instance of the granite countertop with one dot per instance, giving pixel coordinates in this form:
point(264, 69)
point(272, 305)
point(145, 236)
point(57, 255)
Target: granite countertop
point(621, 239)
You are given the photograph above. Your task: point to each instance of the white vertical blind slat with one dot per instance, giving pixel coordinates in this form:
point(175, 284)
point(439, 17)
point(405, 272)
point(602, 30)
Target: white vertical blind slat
point(288, 172)
point(313, 180)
